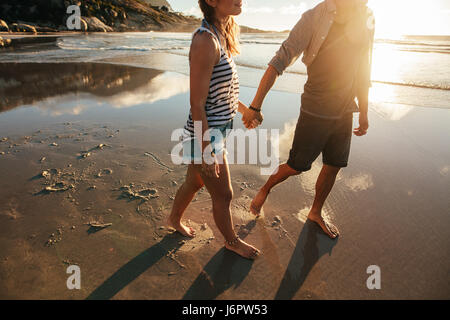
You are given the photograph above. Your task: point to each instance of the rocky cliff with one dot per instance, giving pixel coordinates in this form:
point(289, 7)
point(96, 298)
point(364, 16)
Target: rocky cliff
point(97, 15)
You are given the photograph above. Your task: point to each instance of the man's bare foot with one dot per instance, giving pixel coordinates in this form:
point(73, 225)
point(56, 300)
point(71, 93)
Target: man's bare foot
point(181, 228)
point(243, 249)
point(258, 201)
point(330, 229)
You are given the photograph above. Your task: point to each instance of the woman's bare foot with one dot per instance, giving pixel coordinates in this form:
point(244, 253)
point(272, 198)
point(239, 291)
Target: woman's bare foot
point(258, 201)
point(330, 229)
point(243, 249)
point(181, 228)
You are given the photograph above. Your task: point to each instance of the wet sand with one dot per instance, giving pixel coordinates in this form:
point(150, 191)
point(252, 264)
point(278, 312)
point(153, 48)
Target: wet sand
point(104, 131)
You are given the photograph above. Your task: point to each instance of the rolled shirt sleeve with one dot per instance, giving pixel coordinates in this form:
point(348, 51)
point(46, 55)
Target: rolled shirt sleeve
point(297, 42)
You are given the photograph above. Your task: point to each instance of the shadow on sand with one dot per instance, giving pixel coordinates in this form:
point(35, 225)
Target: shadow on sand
point(133, 269)
point(224, 271)
point(311, 245)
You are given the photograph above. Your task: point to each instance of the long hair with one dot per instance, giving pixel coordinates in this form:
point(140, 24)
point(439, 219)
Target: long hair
point(230, 31)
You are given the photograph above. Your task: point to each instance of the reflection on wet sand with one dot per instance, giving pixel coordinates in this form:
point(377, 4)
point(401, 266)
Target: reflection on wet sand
point(360, 182)
point(161, 87)
point(310, 247)
point(381, 96)
point(30, 83)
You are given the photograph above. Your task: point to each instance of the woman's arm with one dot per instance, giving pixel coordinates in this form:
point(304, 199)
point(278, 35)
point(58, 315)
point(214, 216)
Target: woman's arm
point(204, 55)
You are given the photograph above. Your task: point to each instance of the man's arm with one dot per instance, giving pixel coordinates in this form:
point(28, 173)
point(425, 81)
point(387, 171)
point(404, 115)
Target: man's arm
point(364, 83)
point(264, 87)
point(298, 40)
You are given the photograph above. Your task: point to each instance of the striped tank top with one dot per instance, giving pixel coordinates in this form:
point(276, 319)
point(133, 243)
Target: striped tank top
point(223, 96)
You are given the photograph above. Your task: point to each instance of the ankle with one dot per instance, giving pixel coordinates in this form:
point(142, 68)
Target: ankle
point(233, 242)
point(265, 190)
point(174, 220)
point(315, 213)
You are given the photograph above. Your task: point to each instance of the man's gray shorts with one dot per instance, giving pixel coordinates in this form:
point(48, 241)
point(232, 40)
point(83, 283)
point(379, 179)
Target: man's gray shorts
point(314, 135)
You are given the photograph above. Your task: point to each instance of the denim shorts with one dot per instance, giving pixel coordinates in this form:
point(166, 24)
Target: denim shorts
point(314, 136)
point(191, 147)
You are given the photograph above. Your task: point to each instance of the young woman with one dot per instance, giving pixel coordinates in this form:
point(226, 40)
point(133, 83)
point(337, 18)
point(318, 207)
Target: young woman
point(214, 99)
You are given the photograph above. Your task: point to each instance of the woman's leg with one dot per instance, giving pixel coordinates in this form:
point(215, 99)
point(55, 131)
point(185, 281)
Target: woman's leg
point(221, 193)
point(183, 198)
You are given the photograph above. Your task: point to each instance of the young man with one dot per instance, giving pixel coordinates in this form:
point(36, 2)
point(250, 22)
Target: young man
point(336, 39)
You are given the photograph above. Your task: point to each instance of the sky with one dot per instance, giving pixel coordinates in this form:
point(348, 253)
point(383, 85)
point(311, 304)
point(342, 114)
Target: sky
point(393, 17)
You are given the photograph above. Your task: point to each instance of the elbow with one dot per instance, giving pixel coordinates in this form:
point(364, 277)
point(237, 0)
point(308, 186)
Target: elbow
point(276, 67)
point(197, 111)
point(274, 71)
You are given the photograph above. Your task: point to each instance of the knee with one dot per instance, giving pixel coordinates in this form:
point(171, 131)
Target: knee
point(224, 196)
point(295, 173)
point(194, 187)
point(289, 170)
point(198, 186)
point(332, 170)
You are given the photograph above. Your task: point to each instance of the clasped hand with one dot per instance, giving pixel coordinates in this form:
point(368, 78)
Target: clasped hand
point(252, 119)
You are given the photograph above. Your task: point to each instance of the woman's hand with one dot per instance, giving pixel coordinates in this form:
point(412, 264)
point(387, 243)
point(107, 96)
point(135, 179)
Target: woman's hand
point(211, 170)
point(252, 119)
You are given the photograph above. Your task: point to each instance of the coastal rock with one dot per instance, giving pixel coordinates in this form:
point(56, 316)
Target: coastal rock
point(98, 15)
point(165, 9)
point(95, 25)
point(44, 29)
point(3, 26)
point(22, 27)
point(83, 25)
point(45, 174)
point(121, 28)
point(159, 4)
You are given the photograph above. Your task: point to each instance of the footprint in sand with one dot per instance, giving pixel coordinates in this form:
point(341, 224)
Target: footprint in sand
point(203, 235)
point(241, 210)
point(11, 212)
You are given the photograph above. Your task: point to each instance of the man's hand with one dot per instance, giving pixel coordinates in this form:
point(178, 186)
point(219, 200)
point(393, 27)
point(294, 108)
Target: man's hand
point(363, 125)
point(252, 119)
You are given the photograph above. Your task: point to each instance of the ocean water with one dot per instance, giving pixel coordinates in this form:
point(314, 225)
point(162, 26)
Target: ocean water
point(406, 72)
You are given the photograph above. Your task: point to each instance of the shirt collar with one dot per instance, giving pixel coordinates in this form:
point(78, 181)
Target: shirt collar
point(331, 5)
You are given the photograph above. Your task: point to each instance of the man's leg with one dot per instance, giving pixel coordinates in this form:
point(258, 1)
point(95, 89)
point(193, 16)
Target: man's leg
point(324, 184)
point(284, 172)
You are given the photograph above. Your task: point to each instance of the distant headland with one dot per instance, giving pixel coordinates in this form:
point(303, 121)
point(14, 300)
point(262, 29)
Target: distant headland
point(43, 16)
